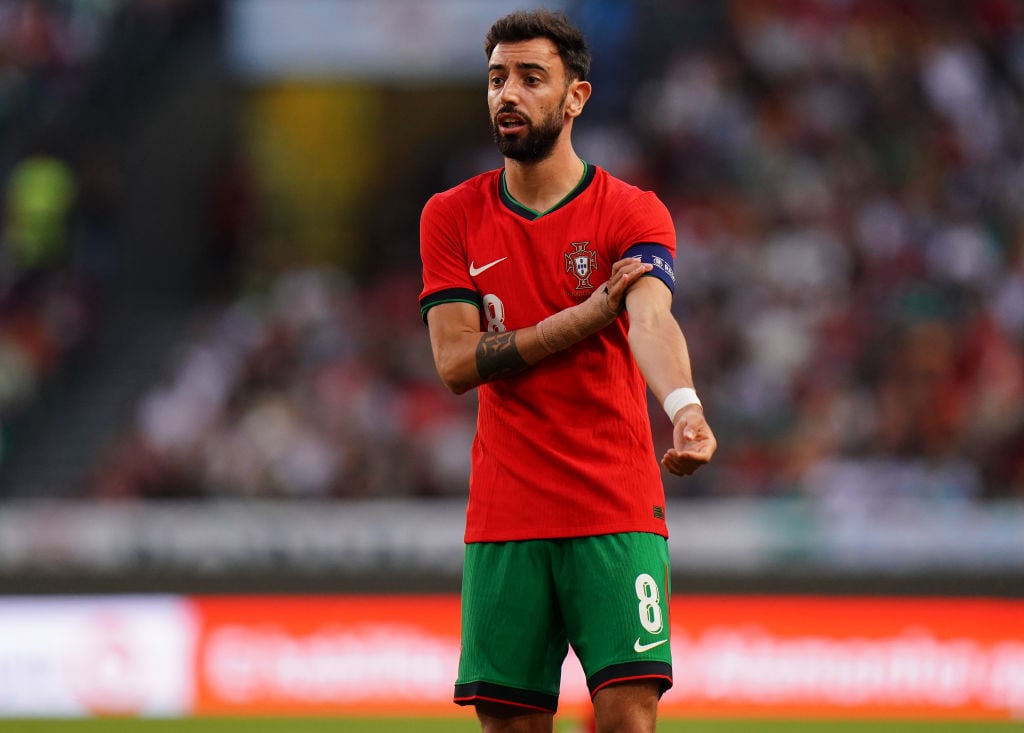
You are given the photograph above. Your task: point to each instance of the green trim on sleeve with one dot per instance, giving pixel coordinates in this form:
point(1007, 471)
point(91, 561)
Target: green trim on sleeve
point(450, 295)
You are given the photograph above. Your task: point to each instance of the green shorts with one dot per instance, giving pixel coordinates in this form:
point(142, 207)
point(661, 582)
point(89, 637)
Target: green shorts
point(524, 603)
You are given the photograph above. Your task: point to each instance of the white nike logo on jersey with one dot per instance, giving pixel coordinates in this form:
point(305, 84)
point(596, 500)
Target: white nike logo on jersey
point(474, 271)
point(640, 648)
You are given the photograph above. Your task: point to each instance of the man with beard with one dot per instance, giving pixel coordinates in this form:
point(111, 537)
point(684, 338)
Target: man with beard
point(547, 285)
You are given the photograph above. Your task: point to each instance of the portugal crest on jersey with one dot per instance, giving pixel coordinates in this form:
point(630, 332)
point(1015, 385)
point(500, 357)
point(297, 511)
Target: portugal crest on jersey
point(581, 262)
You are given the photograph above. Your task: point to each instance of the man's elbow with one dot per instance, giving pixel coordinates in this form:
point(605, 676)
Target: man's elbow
point(641, 330)
point(457, 387)
point(454, 378)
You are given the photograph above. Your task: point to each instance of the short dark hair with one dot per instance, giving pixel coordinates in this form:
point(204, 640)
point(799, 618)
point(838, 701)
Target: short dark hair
point(526, 25)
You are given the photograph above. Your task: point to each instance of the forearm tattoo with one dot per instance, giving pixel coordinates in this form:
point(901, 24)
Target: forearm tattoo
point(497, 356)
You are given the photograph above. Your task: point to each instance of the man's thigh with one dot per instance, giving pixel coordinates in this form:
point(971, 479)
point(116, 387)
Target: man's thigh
point(614, 594)
point(513, 638)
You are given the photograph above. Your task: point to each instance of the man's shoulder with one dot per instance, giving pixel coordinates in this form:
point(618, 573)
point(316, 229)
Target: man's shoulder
point(616, 186)
point(626, 199)
point(471, 190)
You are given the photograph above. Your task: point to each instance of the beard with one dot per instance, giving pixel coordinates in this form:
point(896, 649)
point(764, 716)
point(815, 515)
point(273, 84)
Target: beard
point(537, 142)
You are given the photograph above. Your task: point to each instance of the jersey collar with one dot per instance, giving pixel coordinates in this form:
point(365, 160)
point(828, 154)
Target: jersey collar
point(589, 171)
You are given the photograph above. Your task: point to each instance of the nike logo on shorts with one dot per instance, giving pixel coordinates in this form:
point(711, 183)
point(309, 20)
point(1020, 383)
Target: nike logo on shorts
point(641, 648)
point(474, 271)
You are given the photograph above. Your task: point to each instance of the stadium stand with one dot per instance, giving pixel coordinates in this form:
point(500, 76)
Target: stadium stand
point(847, 184)
point(77, 83)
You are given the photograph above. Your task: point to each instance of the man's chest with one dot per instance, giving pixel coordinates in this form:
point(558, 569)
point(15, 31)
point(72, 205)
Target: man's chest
point(539, 266)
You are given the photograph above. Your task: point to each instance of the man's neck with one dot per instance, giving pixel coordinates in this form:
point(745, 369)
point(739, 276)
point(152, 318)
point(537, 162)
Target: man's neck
point(541, 185)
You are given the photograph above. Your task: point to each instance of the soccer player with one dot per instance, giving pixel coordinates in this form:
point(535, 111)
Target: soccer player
point(547, 285)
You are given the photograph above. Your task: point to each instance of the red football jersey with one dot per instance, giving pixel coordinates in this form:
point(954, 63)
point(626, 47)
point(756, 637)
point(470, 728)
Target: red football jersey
point(563, 448)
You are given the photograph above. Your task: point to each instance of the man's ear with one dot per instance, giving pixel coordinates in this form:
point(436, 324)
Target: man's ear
point(579, 93)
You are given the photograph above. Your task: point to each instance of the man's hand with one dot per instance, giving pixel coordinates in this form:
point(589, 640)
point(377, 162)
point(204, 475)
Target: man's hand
point(693, 442)
point(624, 274)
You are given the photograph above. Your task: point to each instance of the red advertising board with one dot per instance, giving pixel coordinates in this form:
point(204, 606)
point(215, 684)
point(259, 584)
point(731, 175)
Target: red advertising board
point(750, 656)
point(319, 655)
point(863, 657)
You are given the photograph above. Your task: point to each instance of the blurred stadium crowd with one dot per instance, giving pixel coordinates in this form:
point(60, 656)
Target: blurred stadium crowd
point(847, 180)
point(67, 70)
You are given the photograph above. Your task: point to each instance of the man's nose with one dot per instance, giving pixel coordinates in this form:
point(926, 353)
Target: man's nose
point(509, 92)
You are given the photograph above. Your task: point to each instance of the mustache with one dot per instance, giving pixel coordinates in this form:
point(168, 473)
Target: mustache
point(511, 110)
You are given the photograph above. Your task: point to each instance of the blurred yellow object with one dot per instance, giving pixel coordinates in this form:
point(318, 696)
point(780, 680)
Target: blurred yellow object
point(40, 194)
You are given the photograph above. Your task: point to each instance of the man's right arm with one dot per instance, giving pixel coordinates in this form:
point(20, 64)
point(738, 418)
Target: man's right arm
point(466, 358)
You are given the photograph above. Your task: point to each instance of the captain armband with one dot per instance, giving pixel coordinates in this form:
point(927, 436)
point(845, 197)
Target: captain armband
point(659, 257)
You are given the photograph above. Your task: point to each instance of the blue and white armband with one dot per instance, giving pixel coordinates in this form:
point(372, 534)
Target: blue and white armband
point(659, 256)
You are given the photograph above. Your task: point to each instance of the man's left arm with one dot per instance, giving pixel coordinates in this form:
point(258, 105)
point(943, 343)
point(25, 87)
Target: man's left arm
point(660, 350)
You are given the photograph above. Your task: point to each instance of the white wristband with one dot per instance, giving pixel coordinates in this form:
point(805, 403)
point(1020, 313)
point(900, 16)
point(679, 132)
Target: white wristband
point(678, 399)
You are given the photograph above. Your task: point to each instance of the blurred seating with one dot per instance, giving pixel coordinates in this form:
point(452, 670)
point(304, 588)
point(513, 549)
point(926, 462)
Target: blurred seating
point(69, 72)
point(315, 388)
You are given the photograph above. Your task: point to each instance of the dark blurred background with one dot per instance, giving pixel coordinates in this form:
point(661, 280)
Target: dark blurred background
point(209, 330)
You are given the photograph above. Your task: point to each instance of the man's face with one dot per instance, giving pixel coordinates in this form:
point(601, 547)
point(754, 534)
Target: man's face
point(526, 94)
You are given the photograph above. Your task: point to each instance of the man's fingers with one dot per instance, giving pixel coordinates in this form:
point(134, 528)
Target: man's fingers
point(623, 275)
point(640, 268)
point(623, 278)
point(684, 463)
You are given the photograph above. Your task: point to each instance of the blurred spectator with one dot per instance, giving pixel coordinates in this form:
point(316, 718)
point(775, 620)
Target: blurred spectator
point(99, 203)
point(231, 219)
point(43, 313)
point(39, 198)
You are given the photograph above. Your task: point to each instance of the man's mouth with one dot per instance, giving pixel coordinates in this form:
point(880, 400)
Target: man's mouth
point(510, 122)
